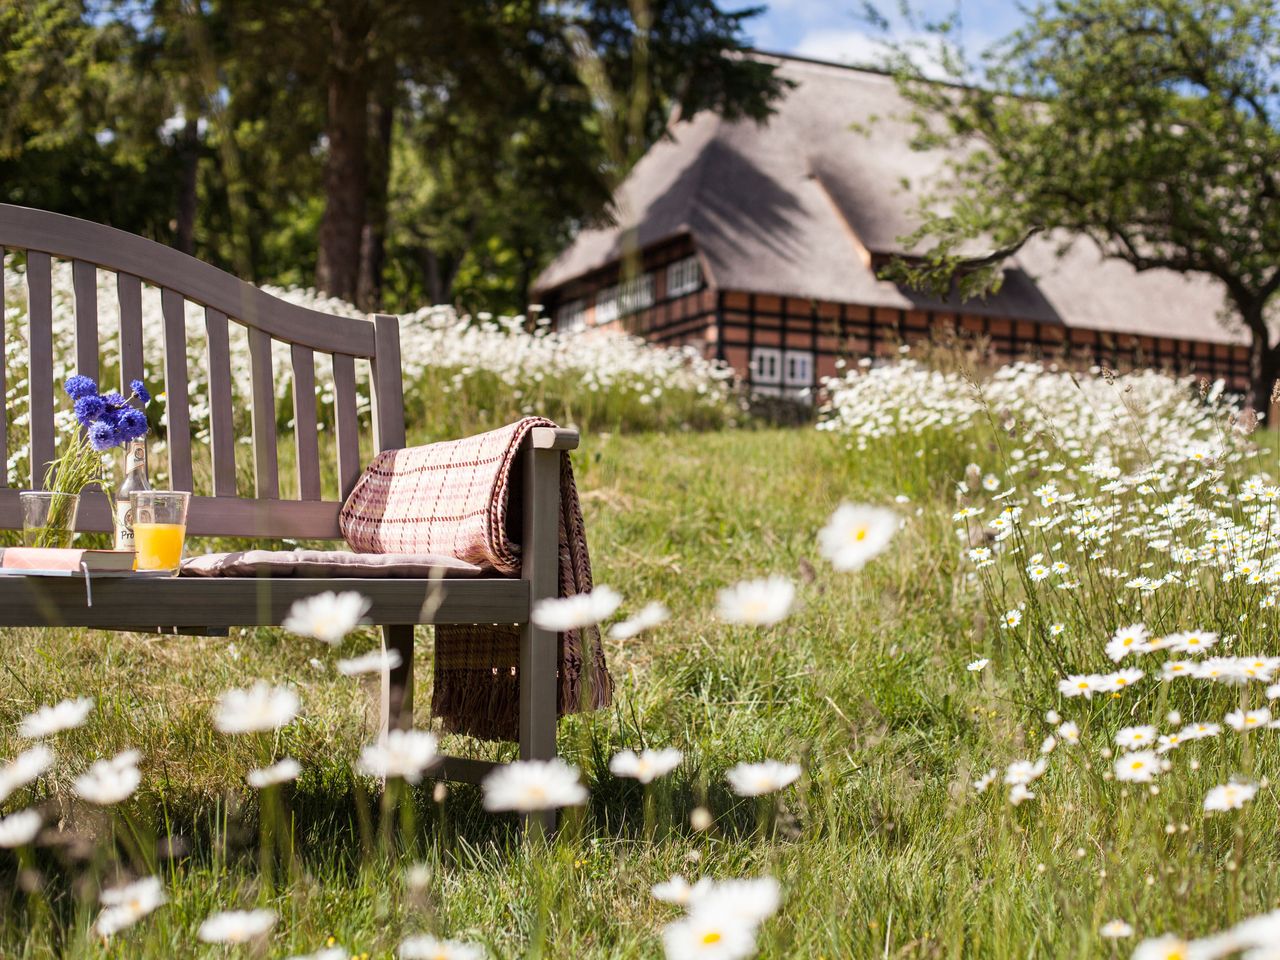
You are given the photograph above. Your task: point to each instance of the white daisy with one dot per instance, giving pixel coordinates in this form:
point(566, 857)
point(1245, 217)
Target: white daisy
point(1244, 720)
point(1115, 930)
point(110, 781)
point(701, 936)
point(647, 765)
point(1140, 766)
point(757, 603)
point(1135, 738)
point(49, 720)
point(1229, 796)
point(856, 534)
point(529, 785)
point(126, 905)
point(19, 829)
point(757, 779)
point(327, 616)
point(401, 753)
point(651, 615)
point(750, 901)
point(236, 926)
point(562, 614)
point(976, 665)
point(375, 661)
point(426, 947)
point(258, 709)
point(679, 891)
point(280, 772)
point(24, 768)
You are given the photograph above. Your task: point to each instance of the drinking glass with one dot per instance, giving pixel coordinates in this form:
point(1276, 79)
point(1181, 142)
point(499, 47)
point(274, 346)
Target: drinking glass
point(48, 519)
point(159, 528)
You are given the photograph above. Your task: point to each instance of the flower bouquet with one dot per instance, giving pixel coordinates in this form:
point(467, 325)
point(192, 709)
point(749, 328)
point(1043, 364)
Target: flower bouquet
point(106, 420)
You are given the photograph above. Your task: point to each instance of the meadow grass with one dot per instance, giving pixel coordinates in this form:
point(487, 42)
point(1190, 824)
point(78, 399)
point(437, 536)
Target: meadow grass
point(883, 848)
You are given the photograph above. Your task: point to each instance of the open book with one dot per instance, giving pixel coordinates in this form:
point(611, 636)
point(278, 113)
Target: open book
point(52, 560)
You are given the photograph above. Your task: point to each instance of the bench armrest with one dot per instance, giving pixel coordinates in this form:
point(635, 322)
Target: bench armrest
point(553, 438)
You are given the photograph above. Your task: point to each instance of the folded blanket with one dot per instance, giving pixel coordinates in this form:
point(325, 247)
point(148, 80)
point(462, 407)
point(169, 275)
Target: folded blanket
point(462, 499)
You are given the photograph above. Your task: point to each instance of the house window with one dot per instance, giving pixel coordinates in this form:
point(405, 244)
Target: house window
point(572, 316)
point(624, 298)
point(607, 305)
point(797, 368)
point(683, 276)
point(766, 366)
point(635, 294)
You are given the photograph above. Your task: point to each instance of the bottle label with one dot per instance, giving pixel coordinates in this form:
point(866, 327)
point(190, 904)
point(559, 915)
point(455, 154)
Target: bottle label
point(124, 525)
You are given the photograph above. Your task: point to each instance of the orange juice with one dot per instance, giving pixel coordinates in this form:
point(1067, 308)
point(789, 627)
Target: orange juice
point(158, 545)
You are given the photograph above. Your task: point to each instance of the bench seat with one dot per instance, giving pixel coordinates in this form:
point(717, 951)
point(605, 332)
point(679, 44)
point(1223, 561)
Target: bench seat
point(329, 563)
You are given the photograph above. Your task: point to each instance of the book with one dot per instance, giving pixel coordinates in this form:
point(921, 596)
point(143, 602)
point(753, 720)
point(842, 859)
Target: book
point(52, 560)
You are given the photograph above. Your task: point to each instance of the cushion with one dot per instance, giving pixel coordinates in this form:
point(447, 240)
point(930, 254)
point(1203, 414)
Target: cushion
point(327, 563)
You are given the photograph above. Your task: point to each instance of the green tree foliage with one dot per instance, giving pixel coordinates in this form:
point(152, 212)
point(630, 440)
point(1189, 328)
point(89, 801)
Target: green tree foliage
point(392, 150)
point(1150, 126)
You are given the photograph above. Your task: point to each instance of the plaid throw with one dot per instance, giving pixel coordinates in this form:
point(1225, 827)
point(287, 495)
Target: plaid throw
point(462, 499)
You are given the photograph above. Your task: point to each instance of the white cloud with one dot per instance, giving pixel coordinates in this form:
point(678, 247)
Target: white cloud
point(841, 46)
point(867, 50)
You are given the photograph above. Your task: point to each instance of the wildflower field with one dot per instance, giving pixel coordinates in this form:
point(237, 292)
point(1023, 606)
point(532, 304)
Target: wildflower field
point(976, 667)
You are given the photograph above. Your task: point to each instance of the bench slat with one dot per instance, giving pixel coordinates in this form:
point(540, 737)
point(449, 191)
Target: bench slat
point(84, 281)
point(40, 371)
point(221, 408)
point(265, 468)
point(211, 516)
point(305, 434)
point(129, 295)
point(176, 410)
point(388, 384)
point(4, 389)
point(200, 602)
point(345, 421)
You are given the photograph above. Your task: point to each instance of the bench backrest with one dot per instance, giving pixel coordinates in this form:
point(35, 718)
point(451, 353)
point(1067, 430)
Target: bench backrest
point(226, 300)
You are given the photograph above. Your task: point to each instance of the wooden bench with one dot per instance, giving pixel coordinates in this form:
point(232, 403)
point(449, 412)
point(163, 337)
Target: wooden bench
point(200, 605)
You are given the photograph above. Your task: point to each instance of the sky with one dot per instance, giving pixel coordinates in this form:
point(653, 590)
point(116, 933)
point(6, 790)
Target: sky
point(833, 30)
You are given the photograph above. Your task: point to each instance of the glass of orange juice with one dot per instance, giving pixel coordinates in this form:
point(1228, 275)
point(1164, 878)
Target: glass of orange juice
point(159, 528)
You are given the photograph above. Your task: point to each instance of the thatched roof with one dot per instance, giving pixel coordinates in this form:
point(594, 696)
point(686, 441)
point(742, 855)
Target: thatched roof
point(794, 206)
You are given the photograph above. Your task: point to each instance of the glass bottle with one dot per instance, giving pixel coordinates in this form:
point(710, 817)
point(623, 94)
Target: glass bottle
point(135, 478)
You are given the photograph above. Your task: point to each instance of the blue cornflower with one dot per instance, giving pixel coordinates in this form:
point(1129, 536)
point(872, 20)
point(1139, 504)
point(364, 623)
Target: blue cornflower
point(89, 408)
point(78, 386)
point(114, 399)
point(102, 436)
point(140, 391)
point(133, 424)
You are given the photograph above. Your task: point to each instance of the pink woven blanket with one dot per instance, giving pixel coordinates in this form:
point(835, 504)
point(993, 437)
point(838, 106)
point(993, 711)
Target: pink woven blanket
point(454, 498)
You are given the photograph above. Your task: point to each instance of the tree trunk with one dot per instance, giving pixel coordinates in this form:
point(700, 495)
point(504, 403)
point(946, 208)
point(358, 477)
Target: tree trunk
point(189, 152)
point(373, 238)
point(1264, 363)
point(1264, 367)
point(345, 169)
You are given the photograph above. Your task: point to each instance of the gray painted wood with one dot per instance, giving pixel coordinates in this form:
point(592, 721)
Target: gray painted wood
point(129, 296)
point(40, 376)
point(266, 471)
point(222, 427)
point(212, 516)
point(129, 603)
point(4, 389)
point(84, 283)
point(306, 436)
point(396, 703)
point(554, 438)
point(24, 228)
point(177, 413)
point(346, 424)
point(462, 769)
point(388, 385)
point(540, 569)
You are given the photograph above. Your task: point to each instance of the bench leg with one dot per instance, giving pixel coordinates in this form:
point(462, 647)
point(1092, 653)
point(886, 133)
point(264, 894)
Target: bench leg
point(539, 649)
point(397, 684)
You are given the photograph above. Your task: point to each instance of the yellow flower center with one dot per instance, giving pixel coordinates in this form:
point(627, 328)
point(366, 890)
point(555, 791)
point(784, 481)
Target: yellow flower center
point(711, 937)
point(1137, 765)
point(859, 534)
